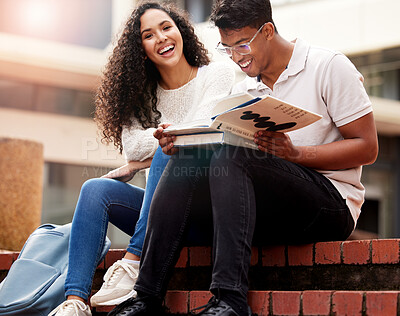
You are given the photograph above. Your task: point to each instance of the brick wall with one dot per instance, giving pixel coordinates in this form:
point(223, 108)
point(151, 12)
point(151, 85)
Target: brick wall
point(332, 278)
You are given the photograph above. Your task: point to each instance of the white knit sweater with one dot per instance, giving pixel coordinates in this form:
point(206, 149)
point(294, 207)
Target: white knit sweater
point(192, 101)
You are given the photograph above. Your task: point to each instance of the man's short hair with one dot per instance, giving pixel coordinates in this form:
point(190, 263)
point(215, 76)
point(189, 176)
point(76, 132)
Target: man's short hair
point(237, 14)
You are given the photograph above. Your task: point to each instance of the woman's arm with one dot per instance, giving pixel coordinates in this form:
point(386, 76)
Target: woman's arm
point(127, 171)
point(139, 147)
point(138, 143)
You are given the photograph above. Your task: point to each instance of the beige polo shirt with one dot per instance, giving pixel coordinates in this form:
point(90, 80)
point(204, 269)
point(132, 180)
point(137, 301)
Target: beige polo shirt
point(327, 83)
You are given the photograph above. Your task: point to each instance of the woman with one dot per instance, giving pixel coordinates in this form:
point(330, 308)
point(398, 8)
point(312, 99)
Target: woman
point(158, 71)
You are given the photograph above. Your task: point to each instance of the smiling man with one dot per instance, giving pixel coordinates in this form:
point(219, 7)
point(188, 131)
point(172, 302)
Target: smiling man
point(299, 187)
point(307, 188)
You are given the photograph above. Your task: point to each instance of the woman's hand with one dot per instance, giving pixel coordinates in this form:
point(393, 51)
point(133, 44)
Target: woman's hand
point(165, 141)
point(126, 172)
point(278, 144)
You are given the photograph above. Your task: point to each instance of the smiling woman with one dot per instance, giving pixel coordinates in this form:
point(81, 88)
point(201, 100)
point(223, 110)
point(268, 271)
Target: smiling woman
point(163, 45)
point(158, 72)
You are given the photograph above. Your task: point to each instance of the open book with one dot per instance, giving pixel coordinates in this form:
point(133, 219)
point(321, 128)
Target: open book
point(237, 117)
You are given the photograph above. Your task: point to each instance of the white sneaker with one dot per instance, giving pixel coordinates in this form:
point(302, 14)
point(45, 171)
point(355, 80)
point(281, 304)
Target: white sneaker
point(71, 308)
point(118, 284)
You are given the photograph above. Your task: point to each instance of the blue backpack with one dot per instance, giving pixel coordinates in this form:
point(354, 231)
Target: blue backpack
point(34, 285)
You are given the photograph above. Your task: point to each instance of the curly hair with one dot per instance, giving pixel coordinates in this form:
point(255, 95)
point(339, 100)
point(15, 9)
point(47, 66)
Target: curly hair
point(128, 88)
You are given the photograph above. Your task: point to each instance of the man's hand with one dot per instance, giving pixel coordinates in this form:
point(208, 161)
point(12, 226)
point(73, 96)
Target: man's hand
point(165, 141)
point(278, 144)
point(126, 172)
point(358, 147)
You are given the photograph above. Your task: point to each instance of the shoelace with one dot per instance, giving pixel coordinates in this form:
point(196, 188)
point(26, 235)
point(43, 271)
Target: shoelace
point(212, 303)
point(68, 306)
point(116, 269)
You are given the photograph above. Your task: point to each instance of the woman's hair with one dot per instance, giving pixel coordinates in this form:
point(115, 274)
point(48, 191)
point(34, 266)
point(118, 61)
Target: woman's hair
point(237, 14)
point(128, 89)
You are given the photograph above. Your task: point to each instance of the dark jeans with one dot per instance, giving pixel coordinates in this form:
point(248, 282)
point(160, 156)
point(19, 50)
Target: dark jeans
point(243, 194)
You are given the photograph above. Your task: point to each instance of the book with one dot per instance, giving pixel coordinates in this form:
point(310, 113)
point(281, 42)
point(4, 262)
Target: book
point(242, 115)
point(212, 139)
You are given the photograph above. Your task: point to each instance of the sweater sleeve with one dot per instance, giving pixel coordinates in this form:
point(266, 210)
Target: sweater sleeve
point(219, 79)
point(138, 143)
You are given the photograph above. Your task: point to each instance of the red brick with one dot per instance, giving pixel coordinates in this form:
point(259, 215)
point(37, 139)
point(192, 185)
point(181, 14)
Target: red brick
point(7, 259)
point(381, 303)
point(328, 252)
point(300, 255)
point(183, 259)
point(102, 309)
point(347, 303)
point(254, 256)
point(198, 298)
point(356, 252)
point(200, 256)
point(177, 302)
point(112, 256)
point(316, 302)
point(385, 251)
point(259, 302)
point(286, 303)
point(273, 256)
point(102, 265)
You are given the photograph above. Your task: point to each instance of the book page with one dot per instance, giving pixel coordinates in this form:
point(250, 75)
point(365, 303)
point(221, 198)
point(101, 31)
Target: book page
point(230, 102)
point(196, 126)
point(267, 114)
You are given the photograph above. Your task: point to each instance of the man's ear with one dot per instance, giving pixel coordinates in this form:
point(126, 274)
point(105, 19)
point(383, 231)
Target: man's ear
point(268, 31)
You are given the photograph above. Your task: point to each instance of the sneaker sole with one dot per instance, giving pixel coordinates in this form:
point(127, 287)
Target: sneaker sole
point(115, 301)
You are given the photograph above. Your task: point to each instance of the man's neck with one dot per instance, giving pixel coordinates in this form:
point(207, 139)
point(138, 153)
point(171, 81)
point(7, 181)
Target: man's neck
point(281, 54)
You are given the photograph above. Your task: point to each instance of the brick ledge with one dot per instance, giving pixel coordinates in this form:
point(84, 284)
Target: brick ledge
point(356, 252)
point(263, 303)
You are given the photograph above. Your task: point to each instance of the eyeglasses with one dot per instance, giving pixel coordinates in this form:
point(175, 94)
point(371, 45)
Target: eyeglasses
point(242, 49)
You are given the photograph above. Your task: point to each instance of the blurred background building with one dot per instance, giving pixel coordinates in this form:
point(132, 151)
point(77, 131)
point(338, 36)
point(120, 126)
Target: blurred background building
point(52, 54)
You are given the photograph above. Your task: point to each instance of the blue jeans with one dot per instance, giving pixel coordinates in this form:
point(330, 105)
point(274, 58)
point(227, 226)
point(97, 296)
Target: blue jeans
point(102, 201)
point(250, 198)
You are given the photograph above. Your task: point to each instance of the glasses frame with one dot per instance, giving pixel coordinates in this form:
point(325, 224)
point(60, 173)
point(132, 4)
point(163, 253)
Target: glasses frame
point(226, 50)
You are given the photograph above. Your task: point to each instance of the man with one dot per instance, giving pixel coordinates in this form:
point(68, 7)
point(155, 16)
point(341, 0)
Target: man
point(299, 187)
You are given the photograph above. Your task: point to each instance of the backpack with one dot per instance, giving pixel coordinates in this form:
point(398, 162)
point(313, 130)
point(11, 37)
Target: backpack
point(34, 285)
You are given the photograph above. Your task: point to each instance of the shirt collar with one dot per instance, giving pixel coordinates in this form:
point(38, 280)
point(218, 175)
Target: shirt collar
point(299, 57)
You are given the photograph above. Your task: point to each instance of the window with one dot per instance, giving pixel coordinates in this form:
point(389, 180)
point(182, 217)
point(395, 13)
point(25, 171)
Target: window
point(199, 10)
point(381, 71)
point(33, 97)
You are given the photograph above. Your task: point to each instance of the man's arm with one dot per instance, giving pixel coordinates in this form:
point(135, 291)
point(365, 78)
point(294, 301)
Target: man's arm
point(359, 147)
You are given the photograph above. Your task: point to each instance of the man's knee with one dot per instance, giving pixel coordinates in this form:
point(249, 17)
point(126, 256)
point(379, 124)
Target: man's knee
point(225, 155)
